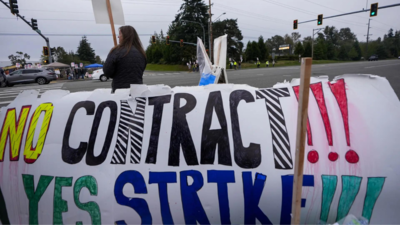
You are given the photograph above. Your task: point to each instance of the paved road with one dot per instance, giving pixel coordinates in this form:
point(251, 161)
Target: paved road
point(262, 77)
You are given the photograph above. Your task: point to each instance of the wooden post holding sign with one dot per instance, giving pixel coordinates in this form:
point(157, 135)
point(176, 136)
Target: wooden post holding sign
point(305, 74)
point(109, 12)
point(110, 15)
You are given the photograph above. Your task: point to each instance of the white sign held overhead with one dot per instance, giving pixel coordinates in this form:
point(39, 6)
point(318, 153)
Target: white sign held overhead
point(101, 13)
point(72, 64)
point(18, 65)
point(80, 65)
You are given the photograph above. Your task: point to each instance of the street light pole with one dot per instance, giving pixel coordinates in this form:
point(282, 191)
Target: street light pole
point(312, 41)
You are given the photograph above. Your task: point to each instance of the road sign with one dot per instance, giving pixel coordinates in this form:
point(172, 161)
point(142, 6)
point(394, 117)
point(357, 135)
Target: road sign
point(18, 65)
point(284, 47)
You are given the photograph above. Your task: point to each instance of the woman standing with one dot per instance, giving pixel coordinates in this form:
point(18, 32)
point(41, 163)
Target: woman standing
point(126, 62)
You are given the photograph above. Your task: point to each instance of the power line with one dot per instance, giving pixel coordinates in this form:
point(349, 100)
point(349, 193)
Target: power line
point(158, 21)
point(51, 11)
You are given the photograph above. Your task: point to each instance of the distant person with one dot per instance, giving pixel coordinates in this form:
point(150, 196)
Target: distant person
point(126, 62)
point(234, 64)
point(267, 63)
point(240, 64)
point(258, 64)
point(273, 63)
point(231, 65)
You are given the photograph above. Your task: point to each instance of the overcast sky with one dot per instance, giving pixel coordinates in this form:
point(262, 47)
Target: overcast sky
point(255, 18)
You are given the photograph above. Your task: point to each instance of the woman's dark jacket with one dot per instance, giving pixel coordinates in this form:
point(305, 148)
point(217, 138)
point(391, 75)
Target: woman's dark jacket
point(125, 70)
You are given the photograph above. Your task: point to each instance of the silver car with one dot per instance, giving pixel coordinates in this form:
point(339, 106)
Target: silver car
point(26, 76)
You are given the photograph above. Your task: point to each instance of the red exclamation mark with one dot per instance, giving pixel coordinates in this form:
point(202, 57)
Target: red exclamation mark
point(339, 91)
point(319, 97)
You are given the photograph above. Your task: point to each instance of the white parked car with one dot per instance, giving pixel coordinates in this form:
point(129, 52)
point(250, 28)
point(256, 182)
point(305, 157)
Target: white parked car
point(99, 75)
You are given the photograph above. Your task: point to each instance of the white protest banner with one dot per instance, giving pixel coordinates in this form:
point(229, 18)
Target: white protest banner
point(72, 64)
point(29, 66)
point(18, 65)
point(80, 65)
point(215, 154)
point(101, 13)
point(39, 66)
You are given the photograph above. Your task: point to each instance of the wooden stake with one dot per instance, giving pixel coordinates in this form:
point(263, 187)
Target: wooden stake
point(111, 21)
point(305, 73)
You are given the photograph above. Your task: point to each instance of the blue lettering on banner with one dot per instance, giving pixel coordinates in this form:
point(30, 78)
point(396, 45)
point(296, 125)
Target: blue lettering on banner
point(222, 178)
point(287, 194)
point(193, 211)
point(252, 195)
point(162, 179)
point(138, 204)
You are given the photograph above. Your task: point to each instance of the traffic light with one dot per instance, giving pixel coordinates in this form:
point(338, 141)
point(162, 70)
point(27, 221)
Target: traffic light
point(181, 43)
point(295, 24)
point(45, 51)
point(373, 11)
point(53, 51)
point(153, 39)
point(34, 24)
point(13, 6)
point(167, 40)
point(320, 17)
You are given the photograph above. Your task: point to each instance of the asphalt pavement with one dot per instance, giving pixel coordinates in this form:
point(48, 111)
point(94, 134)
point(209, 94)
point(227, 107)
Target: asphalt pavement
point(260, 77)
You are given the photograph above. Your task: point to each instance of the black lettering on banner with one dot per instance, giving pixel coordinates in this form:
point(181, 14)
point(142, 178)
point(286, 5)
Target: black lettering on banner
point(92, 160)
point(71, 155)
point(280, 137)
point(180, 133)
point(249, 157)
point(158, 103)
point(130, 131)
point(211, 138)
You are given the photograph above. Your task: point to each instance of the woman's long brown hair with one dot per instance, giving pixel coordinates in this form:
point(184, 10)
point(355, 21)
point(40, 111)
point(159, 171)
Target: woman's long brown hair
point(129, 38)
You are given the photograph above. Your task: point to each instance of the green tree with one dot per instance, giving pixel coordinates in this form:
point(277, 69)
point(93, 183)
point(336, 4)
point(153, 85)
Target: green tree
point(249, 51)
point(296, 37)
point(274, 42)
point(256, 51)
point(357, 48)
point(20, 58)
point(98, 59)
point(190, 10)
point(307, 49)
point(299, 50)
point(353, 54)
point(343, 53)
point(85, 52)
point(59, 54)
point(234, 39)
point(263, 48)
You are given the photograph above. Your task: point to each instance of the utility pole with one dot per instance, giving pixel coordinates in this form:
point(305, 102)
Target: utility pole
point(37, 31)
point(312, 41)
point(211, 38)
point(366, 47)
